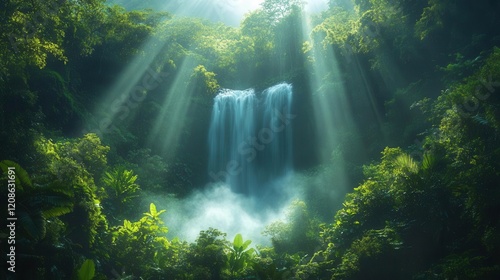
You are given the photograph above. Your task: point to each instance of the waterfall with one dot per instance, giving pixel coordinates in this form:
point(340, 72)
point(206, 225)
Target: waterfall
point(250, 140)
point(232, 124)
point(277, 105)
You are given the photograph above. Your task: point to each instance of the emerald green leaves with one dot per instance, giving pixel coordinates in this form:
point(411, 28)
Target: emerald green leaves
point(205, 80)
point(428, 161)
point(121, 191)
point(406, 164)
point(153, 213)
point(238, 241)
point(87, 270)
point(239, 245)
point(138, 244)
point(240, 256)
point(121, 184)
point(21, 177)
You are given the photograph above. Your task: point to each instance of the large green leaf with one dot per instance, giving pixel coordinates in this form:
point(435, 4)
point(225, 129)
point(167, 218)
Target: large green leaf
point(152, 209)
point(87, 270)
point(245, 244)
point(238, 241)
point(250, 252)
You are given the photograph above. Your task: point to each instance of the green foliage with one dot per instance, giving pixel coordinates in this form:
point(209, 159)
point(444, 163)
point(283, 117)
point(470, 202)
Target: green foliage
point(277, 10)
point(153, 214)
point(406, 164)
point(270, 272)
point(359, 30)
point(469, 144)
point(371, 245)
point(21, 176)
point(151, 169)
point(59, 105)
point(32, 31)
point(462, 266)
point(460, 68)
point(298, 234)
point(431, 18)
point(120, 184)
point(87, 270)
point(127, 30)
point(135, 245)
point(207, 255)
point(240, 256)
point(428, 161)
point(255, 25)
point(73, 165)
point(206, 79)
point(339, 28)
point(36, 203)
point(85, 157)
point(442, 204)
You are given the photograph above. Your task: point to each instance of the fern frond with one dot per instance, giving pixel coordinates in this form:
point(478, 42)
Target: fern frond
point(480, 120)
point(32, 223)
point(22, 177)
point(56, 212)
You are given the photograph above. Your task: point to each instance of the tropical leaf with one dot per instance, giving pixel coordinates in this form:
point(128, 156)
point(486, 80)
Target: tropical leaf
point(87, 270)
point(250, 252)
point(153, 213)
point(405, 162)
point(428, 161)
point(152, 209)
point(244, 246)
point(38, 202)
point(22, 177)
point(121, 184)
point(238, 258)
point(56, 212)
point(33, 223)
point(238, 241)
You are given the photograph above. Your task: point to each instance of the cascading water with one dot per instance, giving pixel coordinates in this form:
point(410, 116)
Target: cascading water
point(250, 144)
point(277, 159)
point(232, 123)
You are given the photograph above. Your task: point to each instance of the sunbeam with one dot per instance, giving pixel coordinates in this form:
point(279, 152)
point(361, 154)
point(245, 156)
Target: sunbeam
point(120, 102)
point(332, 114)
point(170, 123)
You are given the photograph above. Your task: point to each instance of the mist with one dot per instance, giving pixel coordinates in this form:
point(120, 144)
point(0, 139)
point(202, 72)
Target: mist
point(217, 206)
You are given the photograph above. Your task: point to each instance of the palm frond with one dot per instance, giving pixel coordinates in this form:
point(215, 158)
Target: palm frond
point(428, 161)
point(405, 162)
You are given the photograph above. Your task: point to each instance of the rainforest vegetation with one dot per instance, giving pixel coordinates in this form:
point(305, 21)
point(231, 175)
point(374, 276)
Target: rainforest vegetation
point(103, 107)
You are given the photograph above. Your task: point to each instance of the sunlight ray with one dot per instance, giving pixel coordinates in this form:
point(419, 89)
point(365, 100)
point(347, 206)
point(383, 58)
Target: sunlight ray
point(129, 90)
point(331, 109)
point(171, 121)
